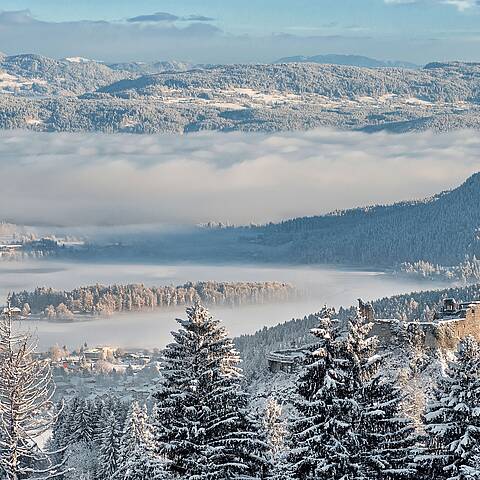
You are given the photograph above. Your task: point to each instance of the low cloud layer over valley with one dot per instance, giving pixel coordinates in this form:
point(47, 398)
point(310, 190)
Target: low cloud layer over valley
point(96, 179)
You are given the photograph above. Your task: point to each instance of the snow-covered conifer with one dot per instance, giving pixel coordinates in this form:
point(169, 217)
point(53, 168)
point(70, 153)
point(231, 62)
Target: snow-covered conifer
point(349, 422)
point(108, 449)
point(201, 425)
point(136, 460)
point(322, 418)
point(452, 419)
point(81, 425)
point(384, 436)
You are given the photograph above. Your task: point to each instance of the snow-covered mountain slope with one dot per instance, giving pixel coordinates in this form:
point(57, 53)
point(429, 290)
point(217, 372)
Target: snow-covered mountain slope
point(297, 96)
point(35, 75)
point(353, 60)
point(442, 229)
point(147, 68)
point(447, 84)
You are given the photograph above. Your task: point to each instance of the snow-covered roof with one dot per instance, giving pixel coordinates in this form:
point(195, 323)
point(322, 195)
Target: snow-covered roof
point(11, 310)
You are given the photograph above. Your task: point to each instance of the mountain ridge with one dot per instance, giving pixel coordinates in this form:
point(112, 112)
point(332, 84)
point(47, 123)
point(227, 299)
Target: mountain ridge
point(352, 60)
point(387, 234)
point(442, 229)
point(45, 94)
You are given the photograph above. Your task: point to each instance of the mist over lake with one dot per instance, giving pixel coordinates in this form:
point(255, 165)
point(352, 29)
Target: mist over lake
point(318, 286)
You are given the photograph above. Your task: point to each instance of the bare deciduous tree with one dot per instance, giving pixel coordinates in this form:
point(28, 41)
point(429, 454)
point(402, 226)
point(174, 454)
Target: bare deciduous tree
point(26, 410)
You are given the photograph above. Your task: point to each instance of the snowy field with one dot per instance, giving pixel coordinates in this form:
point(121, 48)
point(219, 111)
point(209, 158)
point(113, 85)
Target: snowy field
point(319, 285)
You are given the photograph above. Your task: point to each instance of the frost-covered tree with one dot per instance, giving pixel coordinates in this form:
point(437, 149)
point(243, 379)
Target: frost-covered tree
point(275, 434)
point(26, 408)
point(82, 427)
point(136, 460)
point(384, 436)
point(349, 422)
point(109, 446)
point(274, 426)
point(321, 422)
point(201, 425)
point(452, 419)
point(81, 462)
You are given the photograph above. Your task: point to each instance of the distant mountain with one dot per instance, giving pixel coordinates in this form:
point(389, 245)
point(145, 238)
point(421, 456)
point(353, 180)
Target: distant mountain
point(143, 68)
point(35, 75)
point(352, 60)
point(84, 95)
point(335, 82)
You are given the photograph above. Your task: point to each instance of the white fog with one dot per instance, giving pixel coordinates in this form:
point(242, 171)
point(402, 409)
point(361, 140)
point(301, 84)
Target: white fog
point(319, 285)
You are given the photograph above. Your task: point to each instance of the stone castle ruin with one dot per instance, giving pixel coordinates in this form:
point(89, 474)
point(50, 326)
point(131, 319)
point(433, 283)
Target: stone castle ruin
point(455, 321)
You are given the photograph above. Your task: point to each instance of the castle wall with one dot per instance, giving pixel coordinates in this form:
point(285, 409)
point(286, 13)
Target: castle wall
point(450, 332)
point(383, 330)
point(444, 334)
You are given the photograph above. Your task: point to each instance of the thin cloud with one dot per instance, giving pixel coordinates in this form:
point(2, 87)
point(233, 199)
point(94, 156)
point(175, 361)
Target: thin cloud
point(96, 179)
point(461, 5)
point(168, 17)
point(193, 38)
point(155, 17)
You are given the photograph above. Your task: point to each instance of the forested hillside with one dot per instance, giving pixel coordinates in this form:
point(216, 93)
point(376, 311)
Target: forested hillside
point(77, 94)
point(442, 230)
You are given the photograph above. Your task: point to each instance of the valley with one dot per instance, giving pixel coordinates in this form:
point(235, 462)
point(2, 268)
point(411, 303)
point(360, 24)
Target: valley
point(240, 241)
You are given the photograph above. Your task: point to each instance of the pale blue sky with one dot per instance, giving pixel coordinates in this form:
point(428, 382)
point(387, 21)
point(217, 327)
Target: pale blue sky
point(243, 31)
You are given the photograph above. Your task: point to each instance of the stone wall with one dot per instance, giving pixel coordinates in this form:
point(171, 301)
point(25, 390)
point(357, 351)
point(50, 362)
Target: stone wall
point(450, 332)
point(443, 333)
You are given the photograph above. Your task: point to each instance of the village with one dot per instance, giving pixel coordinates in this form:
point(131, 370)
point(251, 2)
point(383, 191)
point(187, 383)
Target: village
point(91, 372)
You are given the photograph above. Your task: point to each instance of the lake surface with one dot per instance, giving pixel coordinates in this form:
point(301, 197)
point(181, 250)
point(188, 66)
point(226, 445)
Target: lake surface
point(320, 285)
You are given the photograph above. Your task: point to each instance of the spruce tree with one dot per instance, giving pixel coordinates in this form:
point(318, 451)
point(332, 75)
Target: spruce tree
point(136, 461)
point(384, 435)
point(108, 449)
point(350, 423)
point(322, 418)
point(452, 419)
point(201, 425)
point(82, 425)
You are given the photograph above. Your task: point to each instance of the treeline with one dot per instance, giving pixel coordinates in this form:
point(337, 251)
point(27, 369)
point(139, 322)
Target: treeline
point(105, 438)
point(468, 270)
point(420, 305)
point(106, 300)
point(347, 418)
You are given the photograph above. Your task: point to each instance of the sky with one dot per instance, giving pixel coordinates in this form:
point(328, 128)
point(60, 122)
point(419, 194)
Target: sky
point(79, 179)
point(220, 31)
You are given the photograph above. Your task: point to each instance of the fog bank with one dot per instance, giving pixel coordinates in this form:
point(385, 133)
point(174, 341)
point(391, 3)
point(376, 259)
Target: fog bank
point(105, 179)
